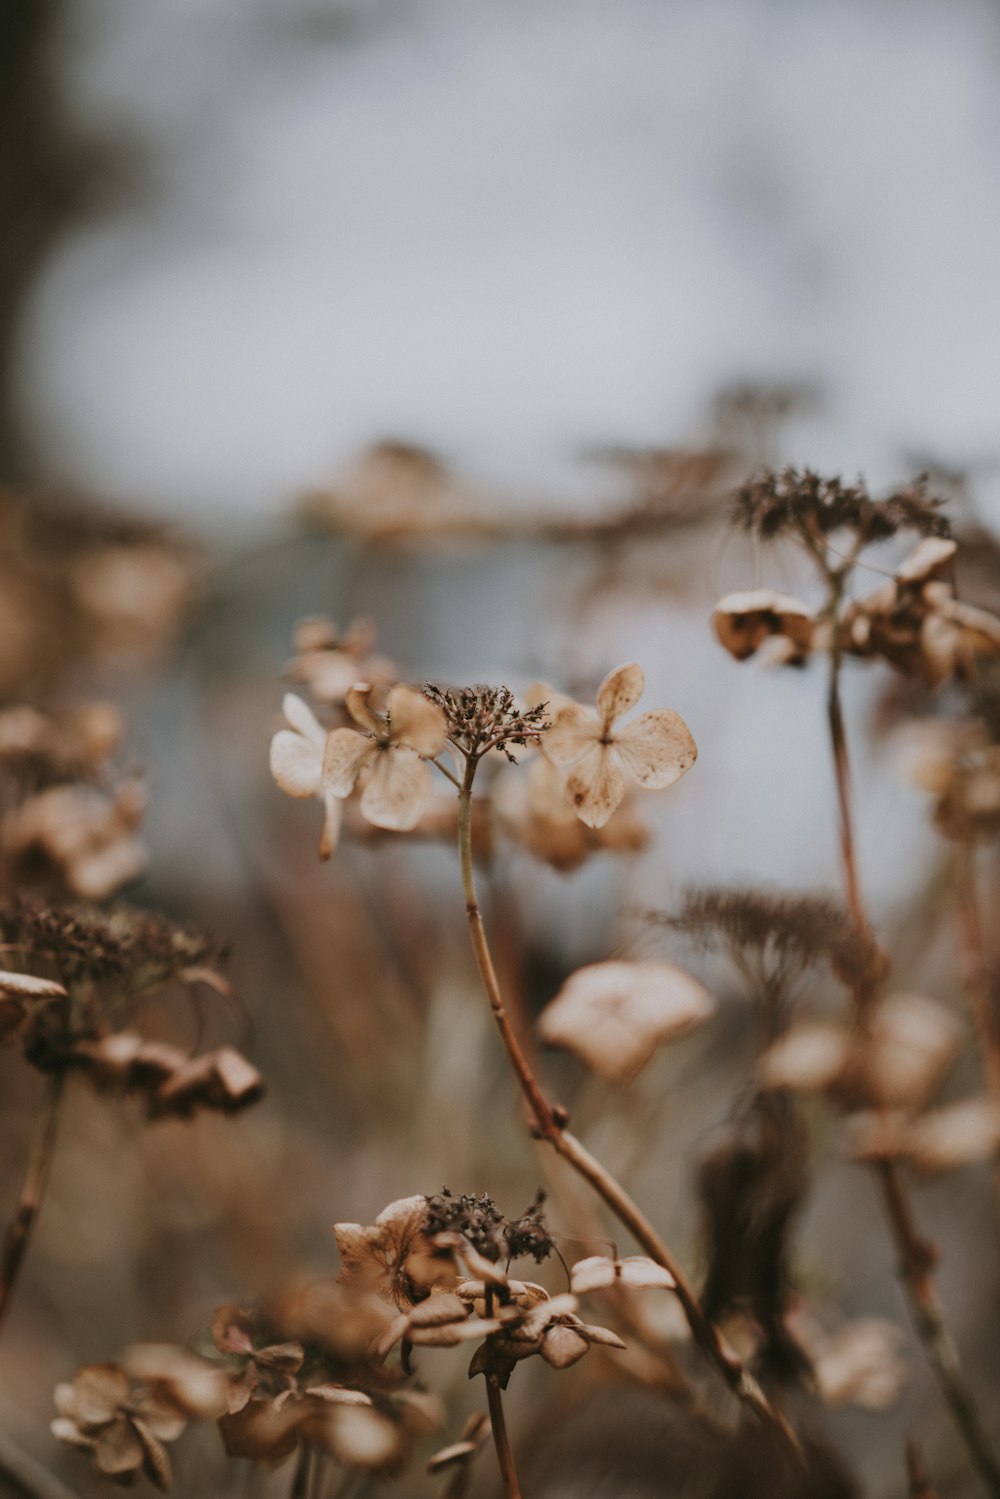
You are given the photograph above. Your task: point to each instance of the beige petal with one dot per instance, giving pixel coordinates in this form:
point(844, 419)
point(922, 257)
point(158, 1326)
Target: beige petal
point(361, 1437)
point(742, 621)
point(657, 748)
point(358, 706)
point(931, 558)
point(955, 1136)
point(913, 1043)
point(615, 1015)
point(27, 986)
point(117, 1449)
point(398, 791)
point(574, 730)
point(333, 818)
point(596, 785)
point(415, 721)
point(296, 763)
point(303, 719)
point(562, 1346)
point(620, 691)
point(808, 1058)
point(157, 1464)
point(97, 1392)
point(345, 753)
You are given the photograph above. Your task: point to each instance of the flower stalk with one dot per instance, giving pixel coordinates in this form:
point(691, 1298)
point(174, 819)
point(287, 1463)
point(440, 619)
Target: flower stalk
point(19, 1231)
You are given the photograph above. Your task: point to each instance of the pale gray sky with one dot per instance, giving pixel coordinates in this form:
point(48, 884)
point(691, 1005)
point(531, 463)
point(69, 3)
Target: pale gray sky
point(509, 229)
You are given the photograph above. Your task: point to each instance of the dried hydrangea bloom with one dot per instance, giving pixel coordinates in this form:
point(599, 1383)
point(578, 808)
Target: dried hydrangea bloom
point(599, 1273)
point(535, 810)
point(400, 492)
point(221, 1080)
point(194, 1386)
point(543, 1326)
point(655, 749)
point(392, 748)
point(743, 621)
point(85, 836)
point(329, 661)
point(615, 1015)
point(123, 1428)
point(297, 765)
point(239, 1333)
point(394, 1256)
point(332, 1418)
point(861, 1363)
point(954, 1136)
point(809, 1057)
point(19, 991)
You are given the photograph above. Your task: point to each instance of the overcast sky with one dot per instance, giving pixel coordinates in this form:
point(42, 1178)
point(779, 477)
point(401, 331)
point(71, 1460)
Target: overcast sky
point(509, 229)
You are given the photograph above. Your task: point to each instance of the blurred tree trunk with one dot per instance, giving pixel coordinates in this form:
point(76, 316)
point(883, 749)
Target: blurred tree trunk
point(44, 172)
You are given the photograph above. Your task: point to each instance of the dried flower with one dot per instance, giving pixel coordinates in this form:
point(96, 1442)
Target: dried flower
point(395, 1255)
point(394, 748)
point(615, 1015)
point(123, 1429)
point(481, 718)
point(801, 502)
point(655, 749)
point(535, 810)
point(743, 621)
point(329, 662)
point(83, 838)
point(297, 766)
point(600, 1273)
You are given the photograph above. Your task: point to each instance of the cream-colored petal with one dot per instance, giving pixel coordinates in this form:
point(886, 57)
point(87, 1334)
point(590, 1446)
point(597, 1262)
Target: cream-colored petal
point(620, 691)
point(573, 731)
point(334, 810)
point(345, 753)
point(117, 1449)
point(398, 791)
point(931, 558)
point(296, 763)
point(302, 718)
point(656, 748)
point(356, 702)
point(596, 785)
point(415, 721)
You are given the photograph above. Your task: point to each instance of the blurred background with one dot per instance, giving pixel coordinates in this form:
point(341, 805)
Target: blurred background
point(467, 317)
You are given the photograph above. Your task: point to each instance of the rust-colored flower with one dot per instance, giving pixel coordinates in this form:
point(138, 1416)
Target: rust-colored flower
point(392, 748)
point(654, 749)
point(297, 765)
point(394, 1256)
point(122, 1427)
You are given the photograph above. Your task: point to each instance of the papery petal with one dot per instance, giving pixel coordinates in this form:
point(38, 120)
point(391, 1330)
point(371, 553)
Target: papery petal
point(398, 791)
point(596, 785)
point(356, 702)
point(574, 730)
point(620, 691)
point(296, 763)
point(415, 721)
point(302, 718)
point(333, 806)
point(97, 1392)
point(117, 1449)
point(345, 753)
point(657, 748)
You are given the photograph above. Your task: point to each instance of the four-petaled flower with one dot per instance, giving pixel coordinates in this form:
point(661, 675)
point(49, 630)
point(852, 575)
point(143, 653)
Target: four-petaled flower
point(655, 749)
point(297, 765)
point(396, 746)
point(123, 1429)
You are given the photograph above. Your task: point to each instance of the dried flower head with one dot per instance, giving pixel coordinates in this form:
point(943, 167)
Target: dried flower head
point(535, 810)
point(478, 1219)
point(328, 661)
point(615, 1015)
point(801, 502)
point(392, 749)
point(654, 749)
point(395, 1256)
point(124, 1428)
point(297, 765)
point(483, 718)
point(742, 622)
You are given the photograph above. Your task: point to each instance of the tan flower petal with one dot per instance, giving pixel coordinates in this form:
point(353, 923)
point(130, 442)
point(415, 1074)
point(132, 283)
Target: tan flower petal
point(913, 1043)
point(562, 1346)
point(620, 691)
point(156, 1465)
point(118, 1449)
point(97, 1392)
point(398, 791)
point(615, 1015)
point(808, 1058)
point(332, 820)
point(596, 785)
point(303, 719)
point(955, 1136)
point(345, 753)
point(296, 763)
point(861, 1364)
point(361, 1437)
point(931, 558)
point(657, 748)
point(358, 706)
point(415, 721)
point(574, 730)
point(27, 986)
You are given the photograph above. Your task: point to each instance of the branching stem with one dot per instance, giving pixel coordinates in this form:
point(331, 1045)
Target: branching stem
point(550, 1128)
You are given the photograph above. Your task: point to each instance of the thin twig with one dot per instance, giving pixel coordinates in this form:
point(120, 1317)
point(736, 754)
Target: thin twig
point(498, 1426)
point(300, 1476)
point(18, 1235)
point(916, 1258)
point(551, 1128)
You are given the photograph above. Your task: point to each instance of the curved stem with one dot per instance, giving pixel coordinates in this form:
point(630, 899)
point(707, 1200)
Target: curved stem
point(18, 1235)
point(916, 1257)
point(498, 1426)
point(550, 1127)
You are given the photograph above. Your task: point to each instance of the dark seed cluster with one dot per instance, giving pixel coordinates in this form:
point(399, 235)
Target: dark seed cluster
point(477, 1217)
point(481, 718)
point(801, 502)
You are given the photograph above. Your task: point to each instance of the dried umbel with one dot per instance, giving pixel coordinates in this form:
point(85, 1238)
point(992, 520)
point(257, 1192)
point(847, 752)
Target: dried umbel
point(122, 1426)
point(482, 718)
point(478, 1219)
point(799, 502)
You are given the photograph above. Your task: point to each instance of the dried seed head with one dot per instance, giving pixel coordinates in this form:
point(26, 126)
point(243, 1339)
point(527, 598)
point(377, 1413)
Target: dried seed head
point(801, 502)
point(481, 718)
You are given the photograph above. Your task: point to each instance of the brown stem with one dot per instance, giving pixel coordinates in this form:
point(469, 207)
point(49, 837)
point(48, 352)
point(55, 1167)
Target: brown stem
point(916, 1257)
point(505, 1457)
point(18, 1235)
point(550, 1128)
point(300, 1476)
point(23, 1477)
point(975, 963)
